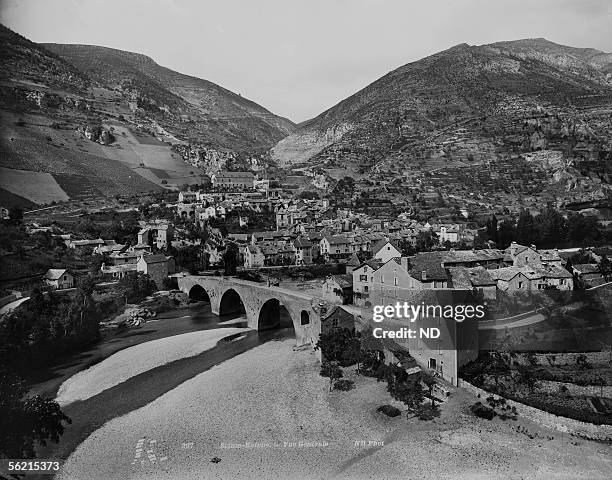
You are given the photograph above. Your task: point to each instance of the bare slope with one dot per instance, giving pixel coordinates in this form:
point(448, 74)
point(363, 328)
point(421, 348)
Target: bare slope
point(493, 92)
point(221, 116)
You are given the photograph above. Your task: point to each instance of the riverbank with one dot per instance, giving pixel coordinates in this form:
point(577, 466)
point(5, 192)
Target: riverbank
point(138, 359)
point(268, 414)
point(47, 381)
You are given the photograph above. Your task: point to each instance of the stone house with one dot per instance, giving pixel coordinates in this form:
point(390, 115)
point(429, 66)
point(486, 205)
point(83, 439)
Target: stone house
point(335, 247)
point(336, 317)
point(158, 267)
point(59, 279)
point(302, 247)
point(233, 180)
point(253, 257)
point(338, 289)
point(385, 250)
point(363, 280)
point(158, 235)
point(588, 275)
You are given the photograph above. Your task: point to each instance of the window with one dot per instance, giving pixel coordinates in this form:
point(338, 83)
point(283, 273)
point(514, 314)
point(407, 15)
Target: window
point(363, 278)
point(395, 281)
point(388, 248)
point(382, 279)
point(334, 323)
point(520, 284)
point(365, 289)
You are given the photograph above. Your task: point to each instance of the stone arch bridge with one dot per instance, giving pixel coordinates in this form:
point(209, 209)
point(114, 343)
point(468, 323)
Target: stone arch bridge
point(262, 304)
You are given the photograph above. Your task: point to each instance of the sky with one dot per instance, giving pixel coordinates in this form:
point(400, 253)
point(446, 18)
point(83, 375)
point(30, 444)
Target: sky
point(299, 57)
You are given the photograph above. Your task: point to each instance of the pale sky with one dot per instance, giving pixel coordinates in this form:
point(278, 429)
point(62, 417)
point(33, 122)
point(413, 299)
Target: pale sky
point(300, 57)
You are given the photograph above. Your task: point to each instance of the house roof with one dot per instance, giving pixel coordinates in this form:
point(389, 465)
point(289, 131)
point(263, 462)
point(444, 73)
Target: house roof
point(470, 277)
point(343, 281)
point(353, 261)
point(505, 273)
point(234, 174)
point(584, 268)
point(336, 239)
point(381, 243)
point(55, 273)
point(301, 242)
point(155, 259)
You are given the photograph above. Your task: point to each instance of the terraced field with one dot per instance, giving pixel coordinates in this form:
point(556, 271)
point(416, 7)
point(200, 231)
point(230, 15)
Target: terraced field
point(39, 187)
point(38, 147)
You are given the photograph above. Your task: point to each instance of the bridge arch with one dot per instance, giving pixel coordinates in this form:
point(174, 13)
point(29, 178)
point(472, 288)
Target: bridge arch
point(231, 302)
point(273, 314)
point(198, 293)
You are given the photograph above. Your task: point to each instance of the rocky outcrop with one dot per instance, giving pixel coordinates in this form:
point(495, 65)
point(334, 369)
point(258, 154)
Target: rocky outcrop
point(299, 147)
point(96, 133)
point(209, 159)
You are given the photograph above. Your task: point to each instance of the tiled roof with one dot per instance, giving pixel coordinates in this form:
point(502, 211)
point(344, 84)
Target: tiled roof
point(234, 174)
point(154, 259)
point(585, 268)
point(381, 243)
point(344, 281)
point(55, 273)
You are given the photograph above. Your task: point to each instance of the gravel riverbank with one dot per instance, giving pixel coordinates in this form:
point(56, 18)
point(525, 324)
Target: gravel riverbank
point(135, 360)
point(266, 413)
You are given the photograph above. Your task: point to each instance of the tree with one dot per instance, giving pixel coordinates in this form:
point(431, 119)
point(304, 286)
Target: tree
point(491, 226)
point(136, 286)
point(429, 380)
point(230, 258)
point(26, 421)
point(605, 268)
point(16, 213)
point(525, 231)
point(331, 370)
point(339, 345)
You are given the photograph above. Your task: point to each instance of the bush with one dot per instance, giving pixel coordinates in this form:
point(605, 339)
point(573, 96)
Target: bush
point(328, 368)
point(482, 411)
point(389, 410)
point(344, 385)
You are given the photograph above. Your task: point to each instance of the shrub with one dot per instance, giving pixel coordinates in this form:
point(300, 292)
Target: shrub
point(389, 410)
point(482, 411)
point(327, 369)
point(344, 385)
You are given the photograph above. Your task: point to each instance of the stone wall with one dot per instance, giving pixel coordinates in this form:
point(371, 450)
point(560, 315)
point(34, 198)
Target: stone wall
point(562, 359)
point(562, 424)
point(574, 390)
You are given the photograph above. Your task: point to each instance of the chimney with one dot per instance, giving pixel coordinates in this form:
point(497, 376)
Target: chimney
point(513, 246)
point(533, 247)
point(404, 263)
point(424, 275)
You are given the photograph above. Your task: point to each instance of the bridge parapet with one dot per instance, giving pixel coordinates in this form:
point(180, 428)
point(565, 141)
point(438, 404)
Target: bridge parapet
point(226, 293)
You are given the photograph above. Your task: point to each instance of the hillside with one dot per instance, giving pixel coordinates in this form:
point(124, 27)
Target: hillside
point(190, 107)
point(466, 106)
point(82, 122)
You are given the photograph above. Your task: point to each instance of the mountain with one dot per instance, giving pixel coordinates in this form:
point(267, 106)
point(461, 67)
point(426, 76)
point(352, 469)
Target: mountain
point(83, 123)
point(26, 61)
point(192, 107)
point(465, 106)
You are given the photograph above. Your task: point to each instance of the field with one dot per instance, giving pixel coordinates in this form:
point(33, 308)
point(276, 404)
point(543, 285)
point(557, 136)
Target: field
point(40, 145)
point(39, 187)
point(10, 200)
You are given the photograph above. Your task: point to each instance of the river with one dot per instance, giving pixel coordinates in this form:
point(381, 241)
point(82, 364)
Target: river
point(137, 391)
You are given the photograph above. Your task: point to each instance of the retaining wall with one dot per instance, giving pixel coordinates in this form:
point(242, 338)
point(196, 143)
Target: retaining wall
point(549, 420)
